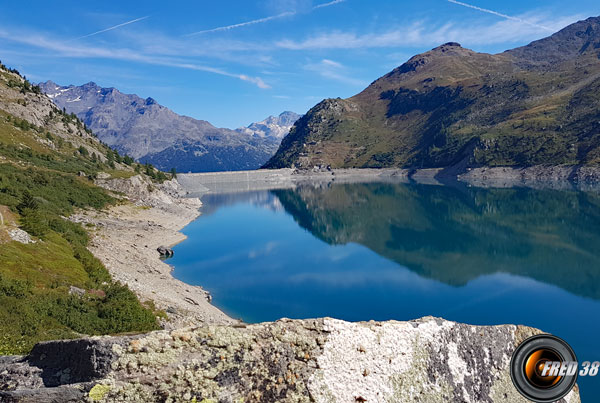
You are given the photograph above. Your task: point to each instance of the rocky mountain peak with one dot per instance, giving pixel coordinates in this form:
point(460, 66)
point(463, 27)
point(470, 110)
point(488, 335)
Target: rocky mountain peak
point(274, 127)
point(89, 85)
point(443, 54)
point(448, 47)
point(288, 118)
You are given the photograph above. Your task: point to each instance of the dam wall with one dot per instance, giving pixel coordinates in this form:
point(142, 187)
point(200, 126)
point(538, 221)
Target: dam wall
point(236, 181)
point(197, 184)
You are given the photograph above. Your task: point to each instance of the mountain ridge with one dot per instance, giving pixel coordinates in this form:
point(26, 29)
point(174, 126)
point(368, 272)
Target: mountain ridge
point(153, 133)
point(453, 106)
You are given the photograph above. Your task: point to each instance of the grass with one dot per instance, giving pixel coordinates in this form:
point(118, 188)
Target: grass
point(120, 174)
point(44, 264)
point(35, 279)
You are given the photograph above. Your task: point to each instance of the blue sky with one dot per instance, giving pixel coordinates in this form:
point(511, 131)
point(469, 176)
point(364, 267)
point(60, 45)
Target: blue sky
point(235, 62)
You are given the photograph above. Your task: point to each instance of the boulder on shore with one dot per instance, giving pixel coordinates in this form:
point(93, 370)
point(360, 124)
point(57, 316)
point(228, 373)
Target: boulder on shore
point(165, 252)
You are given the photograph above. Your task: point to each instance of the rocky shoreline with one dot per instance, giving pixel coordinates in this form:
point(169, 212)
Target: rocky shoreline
point(126, 237)
point(555, 177)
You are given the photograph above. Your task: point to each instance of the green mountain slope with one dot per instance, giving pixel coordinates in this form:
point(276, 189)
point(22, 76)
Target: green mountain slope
point(48, 161)
point(538, 104)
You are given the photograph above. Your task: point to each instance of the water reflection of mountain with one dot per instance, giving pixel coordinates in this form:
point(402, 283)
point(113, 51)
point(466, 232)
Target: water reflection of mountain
point(457, 234)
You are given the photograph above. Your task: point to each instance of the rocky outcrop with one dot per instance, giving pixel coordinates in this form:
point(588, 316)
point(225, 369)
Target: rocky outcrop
point(320, 360)
point(141, 190)
point(17, 234)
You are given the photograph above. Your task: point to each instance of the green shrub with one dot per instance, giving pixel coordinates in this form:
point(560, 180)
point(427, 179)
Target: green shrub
point(34, 222)
point(14, 288)
point(93, 267)
point(28, 202)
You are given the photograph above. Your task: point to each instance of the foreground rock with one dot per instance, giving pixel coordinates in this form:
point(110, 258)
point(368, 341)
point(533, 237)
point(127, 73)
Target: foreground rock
point(322, 360)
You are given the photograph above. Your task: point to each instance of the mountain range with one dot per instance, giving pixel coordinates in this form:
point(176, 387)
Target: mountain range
point(150, 132)
point(452, 107)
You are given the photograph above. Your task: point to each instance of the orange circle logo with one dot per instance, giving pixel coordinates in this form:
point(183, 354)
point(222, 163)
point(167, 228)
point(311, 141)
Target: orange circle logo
point(544, 368)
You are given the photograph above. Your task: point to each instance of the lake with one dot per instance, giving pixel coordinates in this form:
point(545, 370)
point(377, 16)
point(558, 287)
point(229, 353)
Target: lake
point(402, 251)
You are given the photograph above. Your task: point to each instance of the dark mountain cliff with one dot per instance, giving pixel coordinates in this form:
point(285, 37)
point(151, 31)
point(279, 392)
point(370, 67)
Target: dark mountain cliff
point(538, 104)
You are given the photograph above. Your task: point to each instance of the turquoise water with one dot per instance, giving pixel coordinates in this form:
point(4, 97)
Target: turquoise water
point(402, 251)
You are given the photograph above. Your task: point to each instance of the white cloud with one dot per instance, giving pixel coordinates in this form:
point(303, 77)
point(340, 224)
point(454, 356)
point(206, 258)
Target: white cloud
point(256, 80)
point(335, 71)
point(419, 34)
point(63, 49)
point(331, 63)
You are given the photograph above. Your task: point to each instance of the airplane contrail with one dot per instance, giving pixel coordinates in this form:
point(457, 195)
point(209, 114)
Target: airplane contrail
point(261, 20)
point(508, 17)
point(331, 3)
point(111, 28)
point(243, 24)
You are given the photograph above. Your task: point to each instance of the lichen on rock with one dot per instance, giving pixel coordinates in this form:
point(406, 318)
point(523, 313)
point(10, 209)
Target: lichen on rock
point(319, 360)
point(98, 392)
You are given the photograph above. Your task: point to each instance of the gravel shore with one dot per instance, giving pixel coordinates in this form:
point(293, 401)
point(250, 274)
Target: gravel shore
point(125, 238)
